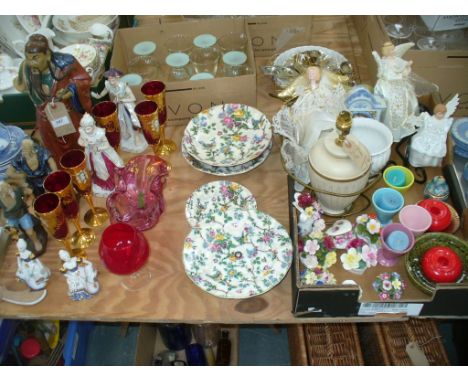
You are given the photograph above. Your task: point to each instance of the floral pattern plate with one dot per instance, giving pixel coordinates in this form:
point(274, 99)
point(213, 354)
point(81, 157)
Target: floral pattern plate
point(228, 135)
point(202, 206)
point(226, 170)
point(244, 256)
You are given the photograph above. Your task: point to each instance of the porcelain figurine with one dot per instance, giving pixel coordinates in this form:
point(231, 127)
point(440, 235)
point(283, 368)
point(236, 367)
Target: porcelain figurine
point(51, 77)
point(101, 157)
point(81, 277)
point(35, 162)
point(361, 102)
point(428, 147)
point(15, 211)
point(394, 85)
point(131, 137)
point(31, 271)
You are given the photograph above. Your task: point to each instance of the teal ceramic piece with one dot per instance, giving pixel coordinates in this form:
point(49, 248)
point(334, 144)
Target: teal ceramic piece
point(144, 48)
point(204, 40)
point(437, 188)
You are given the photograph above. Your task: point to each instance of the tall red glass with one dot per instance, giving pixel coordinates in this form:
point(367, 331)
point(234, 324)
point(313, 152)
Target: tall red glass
point(60, 183)
point(106, 115)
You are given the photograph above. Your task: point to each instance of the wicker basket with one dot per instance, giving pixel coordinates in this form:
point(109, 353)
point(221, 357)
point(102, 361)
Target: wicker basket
point(384, 344)
point(325, 345)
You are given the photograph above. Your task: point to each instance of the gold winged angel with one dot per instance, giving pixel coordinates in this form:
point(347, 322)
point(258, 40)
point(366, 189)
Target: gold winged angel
point(397, 85)
point(428, 147)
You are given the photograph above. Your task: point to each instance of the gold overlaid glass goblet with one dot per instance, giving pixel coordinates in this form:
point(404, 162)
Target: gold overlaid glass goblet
point(49, 210)
point(60, 183)
point(156, 91)
point(74, 162)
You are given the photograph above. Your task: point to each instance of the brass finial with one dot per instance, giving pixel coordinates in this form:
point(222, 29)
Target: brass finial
point(343, 124)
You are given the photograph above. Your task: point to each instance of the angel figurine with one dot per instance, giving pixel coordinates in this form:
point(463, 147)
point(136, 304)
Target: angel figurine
point(101, 157)
point(81, 277)
point(31, 271)
point(314, 112)
point(428, 147)
point(394, 85)
point(132, 139)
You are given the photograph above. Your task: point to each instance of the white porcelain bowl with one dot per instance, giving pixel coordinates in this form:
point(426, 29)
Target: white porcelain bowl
point(75, 29)
point(377, 138)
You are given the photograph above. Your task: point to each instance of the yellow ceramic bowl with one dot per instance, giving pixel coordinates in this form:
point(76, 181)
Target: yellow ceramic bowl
point(402, 171)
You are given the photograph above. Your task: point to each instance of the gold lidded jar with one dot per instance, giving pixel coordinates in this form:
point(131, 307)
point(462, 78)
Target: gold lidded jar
point(339, 164)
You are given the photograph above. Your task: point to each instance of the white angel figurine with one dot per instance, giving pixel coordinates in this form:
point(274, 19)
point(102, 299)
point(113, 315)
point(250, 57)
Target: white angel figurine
point(394, 85)
point(101, 157)
point(428, 147)
point(81, 277)
point(131, 137)
point(314, 112)
point(31, 271)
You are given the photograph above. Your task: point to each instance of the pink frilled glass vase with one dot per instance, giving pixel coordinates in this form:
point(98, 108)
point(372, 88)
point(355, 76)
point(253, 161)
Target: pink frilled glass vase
point(138, 196)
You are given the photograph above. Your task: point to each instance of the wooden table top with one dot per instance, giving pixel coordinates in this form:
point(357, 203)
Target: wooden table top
point(170, 296)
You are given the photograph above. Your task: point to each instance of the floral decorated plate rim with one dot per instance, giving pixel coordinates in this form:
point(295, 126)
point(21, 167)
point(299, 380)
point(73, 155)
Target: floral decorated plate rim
point(200, 254)
point(226, 170)
point(222, 136)
point(217, 195)
point(413, 262)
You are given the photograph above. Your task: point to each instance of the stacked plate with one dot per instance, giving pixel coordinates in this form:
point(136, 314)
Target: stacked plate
point(10, 145)
point(460, 137)
point(233, 250)
point(227, 140)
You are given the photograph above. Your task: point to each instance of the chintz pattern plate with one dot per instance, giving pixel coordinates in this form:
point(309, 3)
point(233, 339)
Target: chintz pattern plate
point(202, 206)
point(227, 135)
point(244, 254)
point(226, 170)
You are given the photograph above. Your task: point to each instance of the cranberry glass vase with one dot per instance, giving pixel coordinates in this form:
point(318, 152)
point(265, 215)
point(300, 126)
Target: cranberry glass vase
point(138, 196)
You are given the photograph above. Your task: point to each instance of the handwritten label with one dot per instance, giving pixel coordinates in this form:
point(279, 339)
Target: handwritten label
point(56, 123)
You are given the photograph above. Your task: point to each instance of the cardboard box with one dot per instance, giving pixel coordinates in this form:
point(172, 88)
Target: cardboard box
point(185, 99)
point(448, 68)
point(444, 23)
point(362, 301)
point(274, 34)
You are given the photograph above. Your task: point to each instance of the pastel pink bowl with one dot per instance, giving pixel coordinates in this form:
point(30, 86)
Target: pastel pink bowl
point(416, 218)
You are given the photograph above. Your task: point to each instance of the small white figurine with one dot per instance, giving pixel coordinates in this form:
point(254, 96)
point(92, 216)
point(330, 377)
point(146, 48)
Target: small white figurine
point(131, 137)
point(31, 271)
point(101, 157)
point(394, 85)
point(428, 147)
point(81, 277)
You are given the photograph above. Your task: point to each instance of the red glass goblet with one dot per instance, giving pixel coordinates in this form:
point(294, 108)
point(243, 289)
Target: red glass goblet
point(156, 91)
point(60, 183)
point(74, 162)
point(49, 210)
point(124, 251)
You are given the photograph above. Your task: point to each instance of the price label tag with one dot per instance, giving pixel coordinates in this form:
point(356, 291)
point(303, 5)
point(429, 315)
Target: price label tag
point(59, 118)
point(373, 308)
point(56, 123)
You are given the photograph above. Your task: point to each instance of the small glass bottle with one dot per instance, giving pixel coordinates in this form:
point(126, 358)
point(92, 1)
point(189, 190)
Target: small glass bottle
point(144, 63)
point(223, 353)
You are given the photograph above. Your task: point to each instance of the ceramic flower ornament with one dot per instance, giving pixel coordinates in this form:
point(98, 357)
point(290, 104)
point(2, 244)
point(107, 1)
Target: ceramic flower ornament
point(389, 286)
point(359, 256)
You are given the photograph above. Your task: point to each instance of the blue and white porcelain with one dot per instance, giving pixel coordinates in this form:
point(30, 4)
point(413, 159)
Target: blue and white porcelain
point(10, 145)
point(460, 133)
point(361, 102)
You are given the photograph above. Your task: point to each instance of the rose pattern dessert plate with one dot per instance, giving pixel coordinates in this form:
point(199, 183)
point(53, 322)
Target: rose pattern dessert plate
point(243, 253)
point(227, 135)
point(220, 195)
